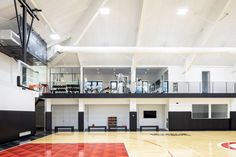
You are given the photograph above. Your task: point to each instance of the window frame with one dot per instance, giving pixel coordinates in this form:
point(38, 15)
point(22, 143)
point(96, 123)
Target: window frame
point(227, 112)
point(207, 111)
point(210, 111)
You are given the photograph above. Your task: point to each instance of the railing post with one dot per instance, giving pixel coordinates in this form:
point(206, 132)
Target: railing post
point(188, 86)
point(226, 90)
point(200, 87)
point(213, 87)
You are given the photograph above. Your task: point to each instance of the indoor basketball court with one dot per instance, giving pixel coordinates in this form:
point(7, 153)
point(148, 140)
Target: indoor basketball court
point(117, 78)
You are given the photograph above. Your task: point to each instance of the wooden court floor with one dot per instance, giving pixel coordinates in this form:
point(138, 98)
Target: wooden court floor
point(137, 144)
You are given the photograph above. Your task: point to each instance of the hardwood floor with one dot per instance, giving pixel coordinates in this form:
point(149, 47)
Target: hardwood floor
point(152, 144)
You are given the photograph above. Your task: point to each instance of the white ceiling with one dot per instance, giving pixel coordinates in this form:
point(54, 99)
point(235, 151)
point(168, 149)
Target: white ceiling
point(146, 23)
point(136, 22)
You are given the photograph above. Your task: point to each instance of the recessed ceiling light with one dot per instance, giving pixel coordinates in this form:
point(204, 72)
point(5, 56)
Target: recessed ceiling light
point(104, 11)
point(182, 11)
point(55, 36)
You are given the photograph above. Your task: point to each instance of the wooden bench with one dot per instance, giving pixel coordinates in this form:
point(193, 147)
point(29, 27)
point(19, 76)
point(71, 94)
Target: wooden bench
point(149, 126)
point(97, 127)
point(110, 128)
point(64, 127)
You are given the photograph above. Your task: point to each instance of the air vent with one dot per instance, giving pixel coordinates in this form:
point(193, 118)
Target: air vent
point(9, 38)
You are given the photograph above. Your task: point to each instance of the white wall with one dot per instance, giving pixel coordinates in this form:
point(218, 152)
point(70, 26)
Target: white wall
point(218, 75)
point(98, 114)
point(12, 97)
point(194, 74)
point(233, 105)
point(159, 120)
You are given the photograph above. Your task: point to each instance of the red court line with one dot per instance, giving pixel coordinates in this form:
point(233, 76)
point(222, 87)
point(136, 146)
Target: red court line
point(67, 150)
point(227, 145)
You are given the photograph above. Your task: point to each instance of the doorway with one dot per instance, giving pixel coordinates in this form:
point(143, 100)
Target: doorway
point(65, 115)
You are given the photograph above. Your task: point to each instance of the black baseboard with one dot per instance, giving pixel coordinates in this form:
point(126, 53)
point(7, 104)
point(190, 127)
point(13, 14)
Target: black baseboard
point(182, 121)
point(14, 122)
point(48, 121)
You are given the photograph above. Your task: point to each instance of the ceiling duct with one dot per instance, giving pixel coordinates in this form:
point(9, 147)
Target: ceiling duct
point(9, 38)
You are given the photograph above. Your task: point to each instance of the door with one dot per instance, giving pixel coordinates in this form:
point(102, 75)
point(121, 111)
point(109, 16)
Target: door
point(205, 82)
point(65, 115)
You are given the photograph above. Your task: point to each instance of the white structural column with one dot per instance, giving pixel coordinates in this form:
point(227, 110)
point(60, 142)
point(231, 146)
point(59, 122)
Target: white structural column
point(48, 115)
point(81, 105)
point(133, 72)
point(81, 109)
point(81, 79)
point(133, 76)
point(233, 105)
point(133, 115)
point(48, 105)
point(133, 105)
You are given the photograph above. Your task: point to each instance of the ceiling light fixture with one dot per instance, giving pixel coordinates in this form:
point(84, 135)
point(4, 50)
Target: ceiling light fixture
point(104, 11)
point(182, 11)
point(55, 36)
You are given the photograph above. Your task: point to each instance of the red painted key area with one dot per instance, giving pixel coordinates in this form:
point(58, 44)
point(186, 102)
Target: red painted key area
point(67, 150)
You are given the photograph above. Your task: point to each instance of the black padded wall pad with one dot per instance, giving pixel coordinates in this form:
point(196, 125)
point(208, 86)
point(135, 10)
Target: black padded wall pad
point(181, 121)
point(233, 120)
point(14, 122)
point(81, 121)
point(133, 121)
point(48, 120)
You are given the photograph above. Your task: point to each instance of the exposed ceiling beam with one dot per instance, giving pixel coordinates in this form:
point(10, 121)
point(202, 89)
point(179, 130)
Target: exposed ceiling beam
point(210, 27)
point(189, 62)
point(43, 17)
point(86, 21)
point(140, 24)
point(207, 34)
point(155, 50)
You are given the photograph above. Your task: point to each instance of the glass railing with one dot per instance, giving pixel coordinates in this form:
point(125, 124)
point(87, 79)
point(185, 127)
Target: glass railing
point(100, 87)
point(202, 87)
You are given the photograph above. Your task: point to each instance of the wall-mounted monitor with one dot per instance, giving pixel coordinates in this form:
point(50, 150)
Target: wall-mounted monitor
point(149, 114)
